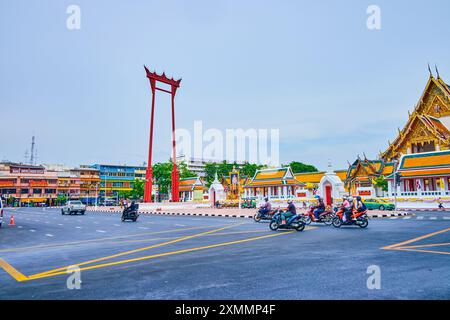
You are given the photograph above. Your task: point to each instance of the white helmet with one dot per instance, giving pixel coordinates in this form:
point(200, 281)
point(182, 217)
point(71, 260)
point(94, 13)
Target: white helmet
point(350, 199)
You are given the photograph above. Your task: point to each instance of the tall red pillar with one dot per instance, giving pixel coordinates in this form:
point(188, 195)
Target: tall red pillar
point(174, 84)
point(149, 172)
point(175, 174)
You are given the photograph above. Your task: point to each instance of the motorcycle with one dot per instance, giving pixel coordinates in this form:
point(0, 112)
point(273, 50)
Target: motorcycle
point(130, 213)
point(325, 217)
point(263, 216)
point(294, 222)
point(341, 219)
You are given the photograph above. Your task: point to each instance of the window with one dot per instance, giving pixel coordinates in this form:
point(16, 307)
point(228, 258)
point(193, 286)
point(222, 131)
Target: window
point(24, 191)
point(37, 191)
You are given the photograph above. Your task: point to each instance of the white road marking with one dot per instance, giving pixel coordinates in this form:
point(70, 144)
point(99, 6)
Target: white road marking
point(446, 218)
point(433, 218)
point(78, 227)
point(95, 222)
point(392, 218)
point(49, 235)
point(20, 227)
point(117, 225)
point(32, 230)
point(102, 231)
point(180, 225)
point(420, 218)
point(150, 222)
point(406, 217)
point(60, 224)
point(142, 227)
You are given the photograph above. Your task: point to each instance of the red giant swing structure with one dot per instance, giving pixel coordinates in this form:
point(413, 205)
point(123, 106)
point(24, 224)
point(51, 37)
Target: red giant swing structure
point(154, 78)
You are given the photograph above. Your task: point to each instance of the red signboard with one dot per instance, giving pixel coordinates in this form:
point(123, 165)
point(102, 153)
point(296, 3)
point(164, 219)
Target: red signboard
point(364, 193)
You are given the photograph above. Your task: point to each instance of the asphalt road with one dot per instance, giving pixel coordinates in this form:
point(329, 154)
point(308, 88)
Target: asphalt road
point(184, 257)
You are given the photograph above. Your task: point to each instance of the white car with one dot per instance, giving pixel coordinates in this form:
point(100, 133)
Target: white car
point(73, 206)
point(1, 213)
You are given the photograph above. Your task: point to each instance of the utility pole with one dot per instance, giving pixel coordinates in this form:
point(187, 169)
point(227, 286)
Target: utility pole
point(32, 155)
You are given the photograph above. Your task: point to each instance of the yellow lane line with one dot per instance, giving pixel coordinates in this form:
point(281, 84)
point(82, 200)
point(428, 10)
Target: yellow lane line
point(140, 249)
point(12, 271)
point(208, 235)
point(39, 276)
point(427, 245)
point(419, 250)
point(64, 244)
point(393, 246)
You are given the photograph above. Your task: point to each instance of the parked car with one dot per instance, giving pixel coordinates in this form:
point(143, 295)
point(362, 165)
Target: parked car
point(379, 204)
point(73, 206)
point(1, 213)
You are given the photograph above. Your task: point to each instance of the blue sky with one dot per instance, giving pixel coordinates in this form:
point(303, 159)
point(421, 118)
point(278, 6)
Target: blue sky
point(310, 68)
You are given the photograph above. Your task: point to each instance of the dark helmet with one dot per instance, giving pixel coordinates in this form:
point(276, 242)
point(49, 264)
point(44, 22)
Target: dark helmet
point(266, 199)
point(358, 198)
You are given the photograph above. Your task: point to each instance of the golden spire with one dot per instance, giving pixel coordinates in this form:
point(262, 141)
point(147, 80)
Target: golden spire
point(437, 72)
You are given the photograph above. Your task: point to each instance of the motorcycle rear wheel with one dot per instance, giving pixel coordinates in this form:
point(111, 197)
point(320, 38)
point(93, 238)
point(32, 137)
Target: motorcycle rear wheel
point(257, 217)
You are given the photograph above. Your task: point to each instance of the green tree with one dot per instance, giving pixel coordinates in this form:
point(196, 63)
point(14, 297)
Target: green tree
point(299, 167)
point(137, 192)
point(381, 183)
point(249, 169)
point(162, 174)
point(184, 171)
point(224, 168)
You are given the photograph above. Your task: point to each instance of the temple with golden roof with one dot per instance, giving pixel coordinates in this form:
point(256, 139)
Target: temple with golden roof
point(420, 153)
point(191, 189)
point(272, 183)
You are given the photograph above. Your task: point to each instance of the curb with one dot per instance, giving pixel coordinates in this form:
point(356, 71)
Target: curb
point(401, 214)
point(429, 210)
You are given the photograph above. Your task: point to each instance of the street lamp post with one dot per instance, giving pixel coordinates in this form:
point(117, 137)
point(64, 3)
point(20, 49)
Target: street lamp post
point(395, 184)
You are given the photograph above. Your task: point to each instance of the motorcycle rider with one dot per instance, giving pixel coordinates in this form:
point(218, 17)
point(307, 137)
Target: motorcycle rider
point(320, 208)
point(266, 207)
point(347, 205)
point(359, 206)
point(290, 211)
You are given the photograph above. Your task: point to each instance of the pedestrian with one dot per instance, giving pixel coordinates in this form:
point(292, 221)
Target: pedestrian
point(441, 205)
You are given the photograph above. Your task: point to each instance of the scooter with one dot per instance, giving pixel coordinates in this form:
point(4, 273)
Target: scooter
point(263, 216)
point(325, 217)
point(294, 222)
point(130, 214)
point(341, 219)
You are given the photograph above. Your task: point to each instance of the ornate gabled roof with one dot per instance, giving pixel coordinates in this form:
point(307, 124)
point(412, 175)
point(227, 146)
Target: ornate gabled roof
point(368, 168)
point(425, 160)
point(433, 125)
point(274, 177)
point(427, 113)
point(190, 184)
point(436, 163)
